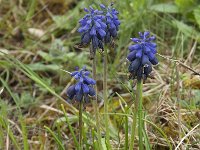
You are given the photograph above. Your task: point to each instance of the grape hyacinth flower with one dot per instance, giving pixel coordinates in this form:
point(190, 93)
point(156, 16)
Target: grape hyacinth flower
point(112, 22)
point(83, 88)
point(142, 55)
point(93, 28)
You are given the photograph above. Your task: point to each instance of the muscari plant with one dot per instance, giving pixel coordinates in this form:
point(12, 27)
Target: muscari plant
point(93, 30)
point(141, 57)
point(80, 92)
point(99, 27)
point(112, 22)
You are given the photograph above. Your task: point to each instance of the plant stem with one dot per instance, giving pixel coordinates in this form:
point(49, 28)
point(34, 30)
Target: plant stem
point(140, 119)
point(80, 124)
point(135, 113)
point(126, 127)
point(95, 102)
point(106, 98)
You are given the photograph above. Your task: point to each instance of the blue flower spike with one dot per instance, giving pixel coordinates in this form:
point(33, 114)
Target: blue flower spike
point(142, 56)
point(93, 28)
point(112, 22)
point(83, 87)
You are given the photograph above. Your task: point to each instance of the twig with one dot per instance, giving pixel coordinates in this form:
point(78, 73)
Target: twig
point(186, 136)
point(180, 63)
point(65, 71)
point(191, 54)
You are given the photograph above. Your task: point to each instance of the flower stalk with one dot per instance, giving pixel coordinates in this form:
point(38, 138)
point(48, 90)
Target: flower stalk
point(105, 97)
point(81, 91)
point(95, 102)
point(126, 127)
point(140, 118)
point(133, 130)
point(80, 125)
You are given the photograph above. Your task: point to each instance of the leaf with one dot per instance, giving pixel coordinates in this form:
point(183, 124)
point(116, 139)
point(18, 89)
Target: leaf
point(43, 67)
point(32, 8)
point(165, 8)
point(186, 5)
point(197, 15)
point(66, 21)
point(56, 138)
point(187, 30)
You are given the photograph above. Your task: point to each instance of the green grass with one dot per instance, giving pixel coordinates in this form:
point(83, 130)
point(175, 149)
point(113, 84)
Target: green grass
point(32, 85)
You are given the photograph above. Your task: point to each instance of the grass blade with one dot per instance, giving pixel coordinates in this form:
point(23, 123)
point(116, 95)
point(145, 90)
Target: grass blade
point(61, 147)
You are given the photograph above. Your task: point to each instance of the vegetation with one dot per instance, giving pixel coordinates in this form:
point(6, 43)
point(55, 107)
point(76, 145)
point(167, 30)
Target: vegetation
point(39, 39)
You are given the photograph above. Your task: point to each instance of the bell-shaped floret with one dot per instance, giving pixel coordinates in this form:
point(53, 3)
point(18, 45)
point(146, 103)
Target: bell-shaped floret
point(134, 47)
point(107, 37)
point(139, 53)
point(71, 92)
point(85, 38)
point(85, 88)
point(131, 56)
point(139, 73)
point(79, 96)
point(134, 65)
point(91, 91)
point(145, 60)
point(88, 81)
point(101, 32)
point(154, 61)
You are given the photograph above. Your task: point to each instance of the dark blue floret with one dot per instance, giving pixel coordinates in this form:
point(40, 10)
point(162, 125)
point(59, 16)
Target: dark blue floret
point(83, 88)
point(71, 91)
point(142, 55)
point(93, 28)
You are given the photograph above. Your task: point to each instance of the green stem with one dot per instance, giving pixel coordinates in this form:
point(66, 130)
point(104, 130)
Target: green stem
point(95, 102)
point(80, 124)
point(126, 128)
point(140, 124)
point(105, 98)
point(135, 113)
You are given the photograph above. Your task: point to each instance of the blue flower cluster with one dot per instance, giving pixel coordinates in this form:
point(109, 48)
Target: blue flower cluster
point(142, 56)
point(112, 22)
point(98, 26)
point(93, 28)
point(83, 88)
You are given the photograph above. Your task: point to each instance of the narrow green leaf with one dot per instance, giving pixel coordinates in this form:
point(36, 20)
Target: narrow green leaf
point(32, 7)
point(197, 15)
point(165, 8)
point(146, 140)
point(187, 30)
point(6, 126)
point(70, 127)
point(43, 67)
point(24, 134)
point(160, 131)
point(186, 5)
point(55, 138)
